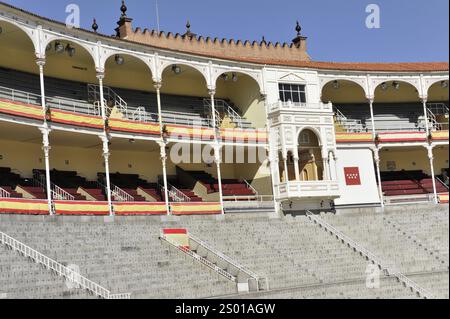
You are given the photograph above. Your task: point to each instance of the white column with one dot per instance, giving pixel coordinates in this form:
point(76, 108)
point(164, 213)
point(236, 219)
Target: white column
point(100, 77)
point(163, 153)
point(218, 160)
point(286, 173)
point(106, 154)
point(425, 114)
point(376, 155)
point(372, 117)
point(212, 93)
point(158, 86)
point(296, 166)
point(46, 148)
point(326, 169)
point(431, 159)
point(41, 63)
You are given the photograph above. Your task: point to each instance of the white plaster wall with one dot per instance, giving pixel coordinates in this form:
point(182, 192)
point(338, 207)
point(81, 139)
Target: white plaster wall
point(367, 192)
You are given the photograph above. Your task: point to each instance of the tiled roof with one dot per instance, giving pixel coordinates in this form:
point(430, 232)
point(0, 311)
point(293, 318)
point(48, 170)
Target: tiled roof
point(344, 66)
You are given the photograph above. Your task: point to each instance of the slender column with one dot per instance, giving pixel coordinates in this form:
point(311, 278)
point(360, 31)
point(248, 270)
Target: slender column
point(286, 173)
point(100, 77)
point(431, 159)
point(212, 93)
point(325, 165)
point(41, 63)
point(330, 158)
point(376, 155)
point(163, 154)
point(158, 86)
point(46, 148)
point(296, 166)
point(218, 160)
point(106, 155)
point(425, 114)
point(372, 117)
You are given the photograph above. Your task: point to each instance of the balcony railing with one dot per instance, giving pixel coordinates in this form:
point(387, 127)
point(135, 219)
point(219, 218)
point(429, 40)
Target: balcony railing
point(293, 106)
point(308, 189)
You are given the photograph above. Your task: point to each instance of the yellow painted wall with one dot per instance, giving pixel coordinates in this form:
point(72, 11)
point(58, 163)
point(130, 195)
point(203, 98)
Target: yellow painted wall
point(405, 159)
point(348, 92)
point(23, 157)
point(406, 93)
point(437, 94)
point(245, 94)
point(440, 158)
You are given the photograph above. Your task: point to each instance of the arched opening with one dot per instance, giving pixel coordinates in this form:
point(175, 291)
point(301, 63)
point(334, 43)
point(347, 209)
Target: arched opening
point(128, 89)
point(184, 96)
point(238, 99)
point(397, 107)
point(311, 166)
point(18, 67)
point(68, 70)
point(351, 109)
point(438, 103)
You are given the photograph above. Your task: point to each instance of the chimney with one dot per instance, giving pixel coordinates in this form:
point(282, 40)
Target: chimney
point(124, 24)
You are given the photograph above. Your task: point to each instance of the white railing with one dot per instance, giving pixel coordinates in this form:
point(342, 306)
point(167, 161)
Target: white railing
point(392, 271)
point(176, 195)
point(438, 108)
point(350, 125)
point(249, 186)
point(120, 195)
point(434, 124)
point(60, 269)
point(108, 95)
point(250, 198)
point(235, 264)
point(61, 103)
point(61, 194)
point(57, 192)
point(208, 110)
point(301, 106)
point(441, 182)
point(200, 259)
point(4, 193)
point(227, 109)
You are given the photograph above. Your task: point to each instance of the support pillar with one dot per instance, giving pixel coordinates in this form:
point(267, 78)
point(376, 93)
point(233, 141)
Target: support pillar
point(431, 159)
point(106, 155)
point(372, 118)
point(425, 114)
point(46, 148)
point(296, 166)
point(100, 77)
point(41, 64)
point(163, 154)
point(158, 86)
point(218, 160)
point(376, 154)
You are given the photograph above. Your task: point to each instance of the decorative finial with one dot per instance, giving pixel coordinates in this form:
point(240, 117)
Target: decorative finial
point(263, 40)
point(124, 9)
point(188, 26)
point(95, 26)
point(298, 28)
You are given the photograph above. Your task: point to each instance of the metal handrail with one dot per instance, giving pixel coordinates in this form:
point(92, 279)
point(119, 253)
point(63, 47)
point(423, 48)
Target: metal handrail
point(120, 194)
point(224, 257)
point(249, 186)
point(176, 194)
point(350, 242)
point(438, 108)
point(60, 269)
point(350, 125)
point(4, 193)
point(200, 259)
point(57, 192)
point(108, 94)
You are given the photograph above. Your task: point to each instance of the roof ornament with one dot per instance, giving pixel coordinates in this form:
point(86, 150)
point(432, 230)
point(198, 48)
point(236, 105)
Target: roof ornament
point(263, 40)
point(95, 25)
point(298, 28)
point(124, 9)
point(188, 27)
point(188, 33)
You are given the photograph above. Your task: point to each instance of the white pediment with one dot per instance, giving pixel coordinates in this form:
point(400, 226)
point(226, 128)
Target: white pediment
point(291, 77)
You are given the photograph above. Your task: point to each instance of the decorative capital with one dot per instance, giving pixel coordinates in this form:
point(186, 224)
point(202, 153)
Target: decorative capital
point(212, 91)
point(100, 75)
point(157, 85)
point(40, 61)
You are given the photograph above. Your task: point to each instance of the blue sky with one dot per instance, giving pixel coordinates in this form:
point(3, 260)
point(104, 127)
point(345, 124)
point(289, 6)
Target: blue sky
point(411, 30)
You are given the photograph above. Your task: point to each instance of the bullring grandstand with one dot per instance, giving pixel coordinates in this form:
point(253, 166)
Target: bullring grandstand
point(152, 165)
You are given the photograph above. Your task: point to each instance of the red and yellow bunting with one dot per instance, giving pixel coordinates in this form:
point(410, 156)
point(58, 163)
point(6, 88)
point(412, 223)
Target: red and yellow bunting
point(139, 209)
point(178, 237)
point(196, 208)
point(238, 135)
point(70, 118)
point(443, 198)
point(21, 109)
point(440, 135)
point(183, 131)
point(133, 126)
point(393, 137)
point(353, 137)
point(23, 206)
point(79, 208)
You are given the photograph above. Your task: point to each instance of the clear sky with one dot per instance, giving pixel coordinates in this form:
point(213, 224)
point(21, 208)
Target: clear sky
point(410, 30)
